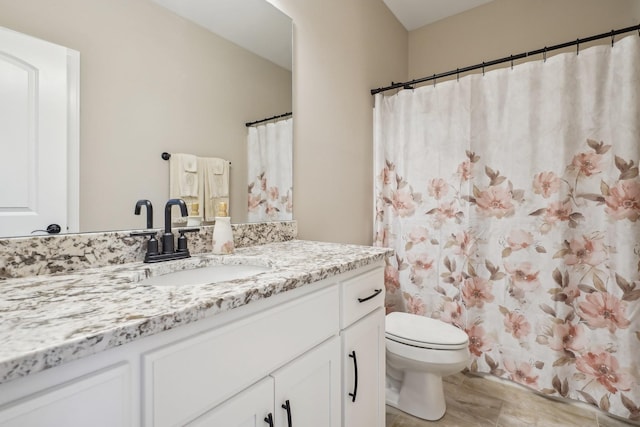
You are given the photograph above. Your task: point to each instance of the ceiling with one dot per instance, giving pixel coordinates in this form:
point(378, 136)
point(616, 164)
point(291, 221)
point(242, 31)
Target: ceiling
point(414, 14)
point(261, 28)
point(255, 25)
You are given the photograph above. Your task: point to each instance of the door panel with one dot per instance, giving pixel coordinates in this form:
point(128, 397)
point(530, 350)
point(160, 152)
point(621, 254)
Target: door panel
point(247, 409)
point(34, 113)
point(310, 388)
point(363, 349)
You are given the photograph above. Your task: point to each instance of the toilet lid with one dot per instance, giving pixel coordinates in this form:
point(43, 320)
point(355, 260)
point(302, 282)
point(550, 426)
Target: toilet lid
point(420, 331)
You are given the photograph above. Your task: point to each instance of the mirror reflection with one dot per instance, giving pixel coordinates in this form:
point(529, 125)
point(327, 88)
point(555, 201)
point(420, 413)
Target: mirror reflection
point(153, 81)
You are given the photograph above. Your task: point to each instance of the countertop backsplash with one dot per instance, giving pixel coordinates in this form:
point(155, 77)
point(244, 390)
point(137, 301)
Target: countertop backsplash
point(64, 253)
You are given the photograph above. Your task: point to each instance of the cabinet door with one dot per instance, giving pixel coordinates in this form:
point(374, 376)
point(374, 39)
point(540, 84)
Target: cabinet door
point(307, 390)
point(97, 400)
point(247, 409)
point(363, 365)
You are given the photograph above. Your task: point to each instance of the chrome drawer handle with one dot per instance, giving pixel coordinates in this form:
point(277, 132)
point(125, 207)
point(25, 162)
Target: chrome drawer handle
point(375, 294)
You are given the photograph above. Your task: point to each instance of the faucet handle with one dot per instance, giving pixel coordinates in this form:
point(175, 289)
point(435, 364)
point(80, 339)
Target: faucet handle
point(142, 233)
point(188, 230)
point(152, 244)
point(182, 240)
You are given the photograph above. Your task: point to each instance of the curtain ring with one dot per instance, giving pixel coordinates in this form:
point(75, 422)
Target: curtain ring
point(511, 56)
point(544, 55)
point(458, 69)
point(613, 36)
point(577, 46)
point(434, 80)
point(482, 68)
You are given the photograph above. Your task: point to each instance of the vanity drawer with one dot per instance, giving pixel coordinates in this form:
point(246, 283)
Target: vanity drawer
point(360, 295)
point(184, 380)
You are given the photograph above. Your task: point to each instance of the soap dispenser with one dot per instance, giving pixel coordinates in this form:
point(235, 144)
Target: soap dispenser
point(222, 233)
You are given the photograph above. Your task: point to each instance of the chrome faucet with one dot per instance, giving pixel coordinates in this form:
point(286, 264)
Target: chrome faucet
point(168, 245)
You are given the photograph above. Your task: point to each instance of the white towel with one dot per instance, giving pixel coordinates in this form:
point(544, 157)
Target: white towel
point(183, 175)
point(215, 174)
point(185, 184)
point(217, 171)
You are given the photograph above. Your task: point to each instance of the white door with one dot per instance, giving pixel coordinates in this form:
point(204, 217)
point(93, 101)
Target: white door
point(307, 390)
point(363, 349)
point(38, 97)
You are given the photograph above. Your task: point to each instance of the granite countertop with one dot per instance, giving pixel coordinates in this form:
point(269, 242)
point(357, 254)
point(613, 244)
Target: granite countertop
point(48, 320)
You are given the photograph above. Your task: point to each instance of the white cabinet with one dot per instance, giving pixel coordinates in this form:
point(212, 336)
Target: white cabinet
point(101, 399)
point(307, 390)
point(250, 408)
point(235, 369)
point(363, 350)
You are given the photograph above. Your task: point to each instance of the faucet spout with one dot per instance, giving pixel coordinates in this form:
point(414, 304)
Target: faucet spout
point(167, 237)
point(147, 204)
point(167, 212)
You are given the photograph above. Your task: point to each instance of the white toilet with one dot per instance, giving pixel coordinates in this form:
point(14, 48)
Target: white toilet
point(420, 351)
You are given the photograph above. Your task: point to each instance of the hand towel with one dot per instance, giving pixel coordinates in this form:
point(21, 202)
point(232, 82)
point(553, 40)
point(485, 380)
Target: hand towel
point(215, 174)
point(185, 184)
point(183, 174)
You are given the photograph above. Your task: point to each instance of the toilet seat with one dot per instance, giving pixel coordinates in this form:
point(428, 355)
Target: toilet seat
point(424, 332)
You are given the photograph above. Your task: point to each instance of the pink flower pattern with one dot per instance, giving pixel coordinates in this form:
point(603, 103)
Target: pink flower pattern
point(452, 313)
point(585, 251)
point(567, 336)
point(519, 239)
point(268, 203)
point(539, 257)
point(476, 291)
point(587, 164)
point(605, 369)
point(524, 276)
point(623, 201)
point(558, 211)
point(495, 201)
point(546, 184)
point(438, 188)
point(520, 372)
point(517, 325)
point(603, 310)
point(479, 341)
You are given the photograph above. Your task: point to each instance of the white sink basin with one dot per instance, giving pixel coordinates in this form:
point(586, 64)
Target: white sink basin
point(206, 275)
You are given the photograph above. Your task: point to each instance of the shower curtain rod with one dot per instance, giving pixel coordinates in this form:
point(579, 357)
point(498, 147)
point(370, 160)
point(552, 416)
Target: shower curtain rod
point(267, 119)
point(510, 58)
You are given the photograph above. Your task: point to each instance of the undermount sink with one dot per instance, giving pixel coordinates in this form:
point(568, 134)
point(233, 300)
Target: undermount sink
point(206, 275)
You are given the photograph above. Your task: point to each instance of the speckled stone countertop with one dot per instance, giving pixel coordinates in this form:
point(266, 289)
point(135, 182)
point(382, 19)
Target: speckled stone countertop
point(48, 320)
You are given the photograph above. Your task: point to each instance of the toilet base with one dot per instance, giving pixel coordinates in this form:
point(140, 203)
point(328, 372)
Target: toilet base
point(420, 394)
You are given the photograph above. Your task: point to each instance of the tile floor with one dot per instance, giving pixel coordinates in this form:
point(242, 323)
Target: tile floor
point(474, 401)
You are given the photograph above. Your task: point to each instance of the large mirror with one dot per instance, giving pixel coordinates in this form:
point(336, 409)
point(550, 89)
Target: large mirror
point(152, 80)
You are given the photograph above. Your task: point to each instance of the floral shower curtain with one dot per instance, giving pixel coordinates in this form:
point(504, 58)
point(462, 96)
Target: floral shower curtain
point(270, 159)
point(512, 200)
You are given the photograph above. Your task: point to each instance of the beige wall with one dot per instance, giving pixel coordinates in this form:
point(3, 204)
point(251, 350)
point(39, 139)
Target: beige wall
point(504, 27)
point(151, 82)
point(342, 49)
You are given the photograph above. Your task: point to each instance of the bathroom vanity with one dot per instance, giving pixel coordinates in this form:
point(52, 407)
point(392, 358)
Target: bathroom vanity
point(300, 343)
